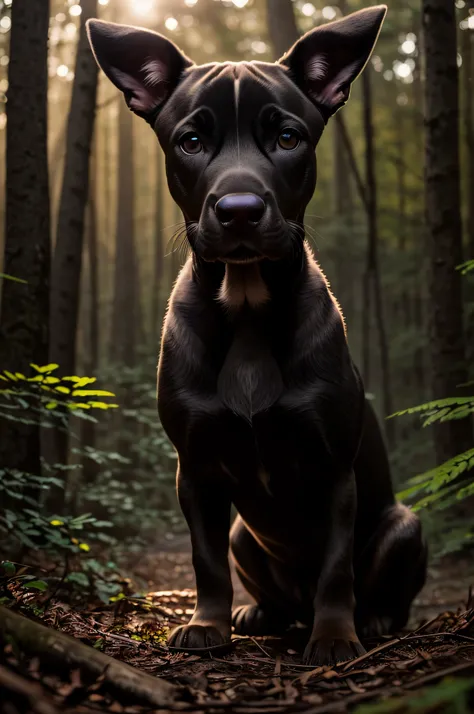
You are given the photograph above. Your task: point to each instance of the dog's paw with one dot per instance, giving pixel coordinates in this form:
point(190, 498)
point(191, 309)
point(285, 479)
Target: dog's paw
point(201, 637)
point(329, 652)
point(255, 620)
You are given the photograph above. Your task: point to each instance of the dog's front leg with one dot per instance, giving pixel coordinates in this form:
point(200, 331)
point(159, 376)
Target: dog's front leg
point(205, 500)
point(333, 637)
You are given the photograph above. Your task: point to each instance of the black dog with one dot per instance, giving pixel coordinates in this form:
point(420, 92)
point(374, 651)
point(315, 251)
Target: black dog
point(257, 390)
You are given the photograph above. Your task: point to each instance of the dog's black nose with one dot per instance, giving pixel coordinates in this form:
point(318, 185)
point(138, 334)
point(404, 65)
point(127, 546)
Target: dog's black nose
point(239, 208)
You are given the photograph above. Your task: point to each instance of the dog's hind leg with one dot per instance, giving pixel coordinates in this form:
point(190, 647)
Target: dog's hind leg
point(389, 573)
point(269, 615)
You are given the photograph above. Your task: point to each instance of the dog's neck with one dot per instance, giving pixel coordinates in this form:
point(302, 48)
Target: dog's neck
point(243, 283)
point(253, 285)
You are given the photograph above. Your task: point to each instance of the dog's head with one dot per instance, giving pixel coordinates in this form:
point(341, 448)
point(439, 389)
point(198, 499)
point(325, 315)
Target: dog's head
point(239, 138)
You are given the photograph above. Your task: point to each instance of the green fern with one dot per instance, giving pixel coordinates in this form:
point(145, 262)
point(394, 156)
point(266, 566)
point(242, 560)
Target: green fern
point(466, 267)
point(441, 410)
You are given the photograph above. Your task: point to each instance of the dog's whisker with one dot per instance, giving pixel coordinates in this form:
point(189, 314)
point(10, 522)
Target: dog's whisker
point(175, 241)
point(180, 224)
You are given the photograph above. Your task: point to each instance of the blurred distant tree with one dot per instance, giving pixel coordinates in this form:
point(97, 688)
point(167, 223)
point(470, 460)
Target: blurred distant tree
point(371, 285)
point(158, 244)
point(125, 327)
point(467, 53)
point(25, 306)
point(443, 217)
point(67, 258)
point(281, 25)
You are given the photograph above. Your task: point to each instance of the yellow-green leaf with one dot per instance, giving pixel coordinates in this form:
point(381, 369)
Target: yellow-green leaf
point(51, 380)
point(103, 405)
point(78, 405)
point(116, 598)
point(85, 547)
point(37, 378)
point(92, 393)
point(56, 522)
point(10, 375)
point(45, 368)
point(80, 381)
point(5, 276)
point(51, 405)
point(19, 375)
point(63, 390)
point(83, 381)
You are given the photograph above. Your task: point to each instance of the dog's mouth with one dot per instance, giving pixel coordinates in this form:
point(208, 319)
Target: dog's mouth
point(241, 254)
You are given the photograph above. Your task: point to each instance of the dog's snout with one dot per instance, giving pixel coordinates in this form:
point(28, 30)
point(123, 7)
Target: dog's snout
point(239, 208)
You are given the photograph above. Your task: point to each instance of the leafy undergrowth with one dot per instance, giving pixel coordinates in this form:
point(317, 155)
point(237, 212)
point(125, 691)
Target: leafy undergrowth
point(428, 669)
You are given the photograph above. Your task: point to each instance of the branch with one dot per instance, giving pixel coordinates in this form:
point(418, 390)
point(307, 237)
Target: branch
point(36, 640)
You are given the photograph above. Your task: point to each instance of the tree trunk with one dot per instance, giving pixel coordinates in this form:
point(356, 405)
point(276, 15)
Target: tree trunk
point(65, 653)
point(88, 434)
point(125, 304)
point(468, 120)
point(24, 318)
point(372, 269)
point(341, 193)
point(158, 246)
point(443, 217)
point(281, 25)
point(467, 36)
point(67, 261)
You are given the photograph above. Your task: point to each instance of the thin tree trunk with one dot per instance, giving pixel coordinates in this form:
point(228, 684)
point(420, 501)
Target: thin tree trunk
point(90, 467)
point(468, 120)
point(158, 247)
point(443, 216)
point(24, 318)
point(340, 194)
point(372, 269)
point(68, 252)
point(124, 317)
point(281, 25)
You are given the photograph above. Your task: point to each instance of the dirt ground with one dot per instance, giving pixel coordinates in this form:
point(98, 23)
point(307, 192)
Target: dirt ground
point(168, 567)
point(427, 668)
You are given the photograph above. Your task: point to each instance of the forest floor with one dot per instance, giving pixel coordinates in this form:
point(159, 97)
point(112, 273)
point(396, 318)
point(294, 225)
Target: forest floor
point(429, 667)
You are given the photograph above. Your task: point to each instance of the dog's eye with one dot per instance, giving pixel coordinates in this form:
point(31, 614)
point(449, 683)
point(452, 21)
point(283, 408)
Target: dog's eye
point(191, 144)
point(288, 139)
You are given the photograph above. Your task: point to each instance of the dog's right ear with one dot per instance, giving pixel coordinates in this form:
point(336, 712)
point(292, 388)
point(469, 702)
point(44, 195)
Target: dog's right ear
point(325, 61)
point(144, 65)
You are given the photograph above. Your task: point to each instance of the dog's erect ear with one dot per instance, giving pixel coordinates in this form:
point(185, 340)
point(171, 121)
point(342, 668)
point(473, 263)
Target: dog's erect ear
point(326, 60)
point(144, 65)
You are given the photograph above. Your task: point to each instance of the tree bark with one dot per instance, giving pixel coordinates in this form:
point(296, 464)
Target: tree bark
point(125, 304)
point(24, 317)
point(372, 276)
point(281, 25)
point(467, 39)
point(36, 640)
point(88, 433)
point(158, 246)
point(443, 217)
point(468, 121)
point(67, 261)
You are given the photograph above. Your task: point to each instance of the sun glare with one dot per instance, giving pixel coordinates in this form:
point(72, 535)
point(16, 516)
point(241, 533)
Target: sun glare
point(142, 7)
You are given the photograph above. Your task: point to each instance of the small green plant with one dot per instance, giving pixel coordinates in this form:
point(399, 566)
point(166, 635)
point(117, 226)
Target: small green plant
point(444, 487)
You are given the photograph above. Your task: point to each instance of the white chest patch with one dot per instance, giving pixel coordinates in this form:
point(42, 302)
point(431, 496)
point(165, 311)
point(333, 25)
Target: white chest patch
point(243, 282)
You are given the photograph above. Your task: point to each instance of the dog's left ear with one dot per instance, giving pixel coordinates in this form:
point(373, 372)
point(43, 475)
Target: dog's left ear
point(144, 65)
point(326, 60)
